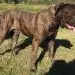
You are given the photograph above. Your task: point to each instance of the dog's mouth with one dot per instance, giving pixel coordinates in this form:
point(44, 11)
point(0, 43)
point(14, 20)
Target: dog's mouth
point(70, 27)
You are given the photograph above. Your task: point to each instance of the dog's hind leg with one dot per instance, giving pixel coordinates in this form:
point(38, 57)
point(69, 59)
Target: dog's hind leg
point(14, 41)
point(2, 36)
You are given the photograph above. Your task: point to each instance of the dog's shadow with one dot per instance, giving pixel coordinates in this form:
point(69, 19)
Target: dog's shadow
point(20, 47)
point(59, 42)
point(63, 42)
point(61, 67)
point(28, 41)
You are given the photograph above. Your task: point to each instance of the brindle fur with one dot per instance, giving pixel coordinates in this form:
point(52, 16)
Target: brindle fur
point(39, 26)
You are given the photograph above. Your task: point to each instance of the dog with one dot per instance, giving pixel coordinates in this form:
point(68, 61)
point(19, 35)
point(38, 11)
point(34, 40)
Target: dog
point(39, 26)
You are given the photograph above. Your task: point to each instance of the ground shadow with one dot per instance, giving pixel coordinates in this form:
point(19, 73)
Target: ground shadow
point(62, 42)
point(20, 47)
point(28, 41)
point(61, 67)
point(6, 51)
point(58, 42)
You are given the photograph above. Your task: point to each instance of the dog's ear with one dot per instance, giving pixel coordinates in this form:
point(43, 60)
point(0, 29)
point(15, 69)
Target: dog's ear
point(59, 6)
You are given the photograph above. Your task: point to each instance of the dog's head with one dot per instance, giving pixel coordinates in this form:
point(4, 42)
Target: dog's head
point(65, 15)
point(58, 14)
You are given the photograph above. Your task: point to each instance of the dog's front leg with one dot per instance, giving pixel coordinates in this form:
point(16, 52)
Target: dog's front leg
point(51, 49)
point(35, 44)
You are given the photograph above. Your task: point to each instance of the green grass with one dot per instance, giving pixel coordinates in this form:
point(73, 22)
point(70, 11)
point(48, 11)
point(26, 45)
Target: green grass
point(26, 7)
point(19, 64)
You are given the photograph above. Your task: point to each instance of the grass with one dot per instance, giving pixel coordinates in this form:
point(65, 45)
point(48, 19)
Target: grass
point(26, 7)
point(19, 64)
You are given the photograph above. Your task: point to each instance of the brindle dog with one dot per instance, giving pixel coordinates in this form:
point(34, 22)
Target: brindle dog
point(65, 15)
point(39, 26)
